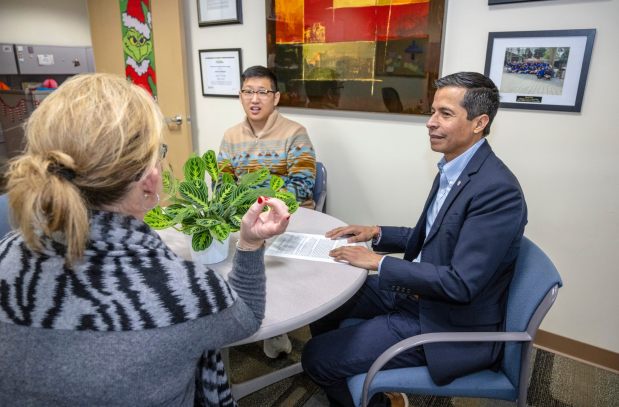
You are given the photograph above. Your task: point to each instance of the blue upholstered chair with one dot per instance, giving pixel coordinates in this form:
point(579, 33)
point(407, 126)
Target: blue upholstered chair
point(532, 292)
point(5, 226)
point(320, 188)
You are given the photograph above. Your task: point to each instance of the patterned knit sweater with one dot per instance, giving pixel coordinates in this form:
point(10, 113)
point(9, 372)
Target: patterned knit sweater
point(130, 324)
point(283, 146)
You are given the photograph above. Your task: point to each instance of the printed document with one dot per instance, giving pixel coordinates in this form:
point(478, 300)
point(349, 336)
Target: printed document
point(306, 246)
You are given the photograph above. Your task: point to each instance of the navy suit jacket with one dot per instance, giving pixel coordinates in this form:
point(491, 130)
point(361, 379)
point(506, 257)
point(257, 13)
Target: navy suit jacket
point(467, 263)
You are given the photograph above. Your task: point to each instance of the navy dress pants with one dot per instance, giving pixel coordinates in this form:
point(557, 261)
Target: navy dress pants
point(335, 353)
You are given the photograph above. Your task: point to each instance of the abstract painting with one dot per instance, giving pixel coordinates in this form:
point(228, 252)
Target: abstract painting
point(359, 55)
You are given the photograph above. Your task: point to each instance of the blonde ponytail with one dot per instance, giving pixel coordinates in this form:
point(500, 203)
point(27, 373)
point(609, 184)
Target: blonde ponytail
point(45, 202)
point(86, 143)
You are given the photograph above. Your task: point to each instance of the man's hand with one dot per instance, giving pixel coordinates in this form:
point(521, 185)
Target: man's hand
point(359, 233)
point(358, 256)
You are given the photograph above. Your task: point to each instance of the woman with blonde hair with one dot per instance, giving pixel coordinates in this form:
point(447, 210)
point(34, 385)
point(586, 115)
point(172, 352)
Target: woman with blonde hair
point(94, 308)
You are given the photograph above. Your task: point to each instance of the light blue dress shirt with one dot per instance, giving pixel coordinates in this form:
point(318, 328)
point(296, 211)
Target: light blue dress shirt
point(449, 174)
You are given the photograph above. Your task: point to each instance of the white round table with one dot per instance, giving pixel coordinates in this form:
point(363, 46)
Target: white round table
point(297, 291)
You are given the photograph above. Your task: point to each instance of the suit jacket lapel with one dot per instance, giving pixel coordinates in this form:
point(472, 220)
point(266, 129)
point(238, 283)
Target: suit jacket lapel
point(420, 229)
point(471, 168)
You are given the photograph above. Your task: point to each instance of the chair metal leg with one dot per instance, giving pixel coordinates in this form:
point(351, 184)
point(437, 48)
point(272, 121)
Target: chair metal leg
point(240, 390)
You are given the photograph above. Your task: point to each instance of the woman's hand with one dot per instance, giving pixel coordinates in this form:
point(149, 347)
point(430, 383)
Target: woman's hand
point(257, 226)
point(355, 233)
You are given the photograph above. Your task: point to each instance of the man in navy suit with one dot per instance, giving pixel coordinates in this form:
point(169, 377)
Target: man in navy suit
point(458, 259)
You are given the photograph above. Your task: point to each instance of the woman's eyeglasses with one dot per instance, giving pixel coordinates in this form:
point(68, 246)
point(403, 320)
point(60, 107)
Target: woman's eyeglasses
point(163, 151)
point(262, 93)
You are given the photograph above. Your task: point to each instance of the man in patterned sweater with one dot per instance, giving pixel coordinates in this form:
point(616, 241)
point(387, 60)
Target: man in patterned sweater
point(266, 138)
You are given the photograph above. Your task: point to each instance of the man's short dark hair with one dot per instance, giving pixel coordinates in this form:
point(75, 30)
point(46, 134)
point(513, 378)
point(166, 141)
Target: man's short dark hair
point(259, 71)
point(481, 96)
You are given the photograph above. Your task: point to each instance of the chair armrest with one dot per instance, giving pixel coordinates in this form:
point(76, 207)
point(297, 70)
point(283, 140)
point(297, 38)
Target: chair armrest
point(422, 339)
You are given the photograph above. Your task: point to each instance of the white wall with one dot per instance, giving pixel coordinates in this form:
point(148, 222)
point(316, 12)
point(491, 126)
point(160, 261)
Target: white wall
point(45, 22)
point(380, 166)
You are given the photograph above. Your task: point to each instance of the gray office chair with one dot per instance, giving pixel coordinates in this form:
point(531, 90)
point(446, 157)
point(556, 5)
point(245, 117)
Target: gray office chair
point(532, 292)
point(320, 188)
point(5, 226)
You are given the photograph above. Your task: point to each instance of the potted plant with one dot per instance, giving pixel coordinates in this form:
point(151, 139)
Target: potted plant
point(212, 213)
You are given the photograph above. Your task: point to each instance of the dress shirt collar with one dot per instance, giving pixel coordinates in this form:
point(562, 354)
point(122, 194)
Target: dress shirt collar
point(454, 168)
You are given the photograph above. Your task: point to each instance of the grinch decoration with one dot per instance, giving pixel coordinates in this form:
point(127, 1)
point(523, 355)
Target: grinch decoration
point(138, 44)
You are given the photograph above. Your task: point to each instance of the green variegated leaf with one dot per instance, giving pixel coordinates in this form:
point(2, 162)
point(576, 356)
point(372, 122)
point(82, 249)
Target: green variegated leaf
point(194, 169)
point(221, 231)
point(265, 191)
point(230, 210)
point(202, 240)
point(242, 209)
point(201, 185)
point(207, 223)
point(175, 209)
point(217, 209)
point(156, 219)
point(276, 183)
point(188, 229)
point(292, 206)
point(255, 178)
point(227, 178)
point(195, 191)
point(235, 221)
point(210, 160)
point(179, 212)
point(178, 200)
point(193, 229)
point(170, 184)
point(289, 199)
point(225, 193)
point(242, 195)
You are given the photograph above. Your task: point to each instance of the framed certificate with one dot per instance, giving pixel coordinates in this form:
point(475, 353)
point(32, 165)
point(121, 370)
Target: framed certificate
point(220, 70)
point(217, 12)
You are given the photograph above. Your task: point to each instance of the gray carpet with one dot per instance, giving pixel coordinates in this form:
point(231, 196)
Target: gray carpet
point(249, 361)
point(556, 381)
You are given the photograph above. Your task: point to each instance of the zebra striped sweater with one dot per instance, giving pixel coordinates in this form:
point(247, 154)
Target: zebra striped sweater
point(131, 298)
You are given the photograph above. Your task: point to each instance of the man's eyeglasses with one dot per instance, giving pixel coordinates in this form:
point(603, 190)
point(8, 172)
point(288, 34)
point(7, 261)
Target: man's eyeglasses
point(163, 151)
point(262, 93)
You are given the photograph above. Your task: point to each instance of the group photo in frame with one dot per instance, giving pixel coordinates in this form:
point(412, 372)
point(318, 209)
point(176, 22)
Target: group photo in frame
point(540, 70)
point(220, 71)
point(218, 12)
point(356, 55)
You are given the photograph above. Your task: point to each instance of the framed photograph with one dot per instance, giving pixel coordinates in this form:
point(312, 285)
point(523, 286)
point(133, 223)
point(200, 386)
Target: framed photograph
point(218, 12)
point(493, 2)
point(356, 55)
point(220, 71)
point(540, 70)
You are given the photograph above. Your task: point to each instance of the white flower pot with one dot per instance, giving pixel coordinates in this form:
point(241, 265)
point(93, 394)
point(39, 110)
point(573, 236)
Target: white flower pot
point(215, 253)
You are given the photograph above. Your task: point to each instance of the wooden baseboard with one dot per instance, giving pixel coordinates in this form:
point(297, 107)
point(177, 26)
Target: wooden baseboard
point(577, 350)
